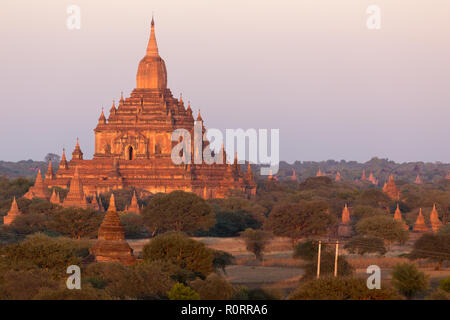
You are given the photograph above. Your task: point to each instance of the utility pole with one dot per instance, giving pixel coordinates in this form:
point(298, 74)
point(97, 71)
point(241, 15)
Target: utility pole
point(336, 258)
point(318, 260)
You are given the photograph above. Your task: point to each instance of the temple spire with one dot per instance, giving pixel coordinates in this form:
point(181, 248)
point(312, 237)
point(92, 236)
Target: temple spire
point(152, 47)
point(112, 204)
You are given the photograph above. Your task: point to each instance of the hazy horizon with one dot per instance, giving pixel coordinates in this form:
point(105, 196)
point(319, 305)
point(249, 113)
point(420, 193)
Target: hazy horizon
point(335, 89)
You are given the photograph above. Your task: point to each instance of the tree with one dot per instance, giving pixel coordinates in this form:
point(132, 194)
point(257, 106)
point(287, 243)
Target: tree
point(52, 157)
point(444, 284)
point(133, 225)
point(181, 292)
point(296, 220)
point(408, 280)
point(386, 228)
point(41, 251)
point(222, 259)
point(306, 250)
point(180, 250)
point(434, 247)
point(256, 241)
point(330, 288)
point(29, 223)
point(213, 287)
point(362, 245)
point(327, 262)
point(230, 224)
point(142, 281)
point(178, 211)
point(75, 222)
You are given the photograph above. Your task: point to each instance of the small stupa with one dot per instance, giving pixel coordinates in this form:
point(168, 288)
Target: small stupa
point(39, 190)
point(344, 228)
point(391, 189)
point(418, 180)
point(420, 225)
point(338, 177)
point(434, 219)
point(111, 245)
point(134, 206)
point(398, 217)
point(12, 213)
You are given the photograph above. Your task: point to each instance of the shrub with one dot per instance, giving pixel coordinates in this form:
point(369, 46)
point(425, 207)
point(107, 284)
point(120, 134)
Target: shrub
point(408, 280)
point(222, 259)
point(362, 245)
point(340, 289)
point(181, 292)
point(213, 287)
point(386, 228)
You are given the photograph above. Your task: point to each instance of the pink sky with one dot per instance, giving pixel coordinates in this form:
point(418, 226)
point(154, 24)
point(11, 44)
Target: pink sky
point(335, 89)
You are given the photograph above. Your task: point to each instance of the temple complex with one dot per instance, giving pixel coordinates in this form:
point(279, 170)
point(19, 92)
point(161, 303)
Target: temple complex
point(398, 217)
point(12, 213)
point(390, 188)
point(434, 219)
point(111, 245)
point(420, 225)
point(133, 146)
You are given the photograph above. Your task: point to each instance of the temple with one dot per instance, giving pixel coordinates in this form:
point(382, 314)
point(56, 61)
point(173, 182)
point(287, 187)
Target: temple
point(133, 148)
point(420, 225)
point(12, 213)
point(390, 188)
point(111, 245)
point(398, 217)
point(344, 228)
point(436, 224)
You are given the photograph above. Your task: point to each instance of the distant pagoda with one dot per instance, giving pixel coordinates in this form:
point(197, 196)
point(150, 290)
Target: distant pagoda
point(344, 228)
point(338, 177)
point(398, 217)
point(12, 214)
point(391, 189)
point(418, 180)
point(436, 224)
point(420, 225)
point(39, 190)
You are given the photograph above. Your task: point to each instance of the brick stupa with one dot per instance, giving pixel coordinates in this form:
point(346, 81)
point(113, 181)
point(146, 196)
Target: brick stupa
point(434, 219)
point(420, 225)
point(344, 228)
point(338, 177)
point(294, 176)
point(398, 217)
point(372, 179)
point(319, 173)
point(75, 197)
point(390, 188)
point(39, 190)
point(111, 245)
point(12, 213)
point(134, 206)
point(418, 180)
point(55, 198)
point(363, 176)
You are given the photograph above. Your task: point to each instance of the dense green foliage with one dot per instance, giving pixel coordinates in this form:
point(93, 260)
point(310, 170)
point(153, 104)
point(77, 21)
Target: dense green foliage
point(434, 247)
point(408, 280)
point(383, 227)
point(182, 251)
point(362, 245)
point(177, 211)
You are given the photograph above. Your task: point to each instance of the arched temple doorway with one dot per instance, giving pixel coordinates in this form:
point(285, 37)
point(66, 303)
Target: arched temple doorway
point(130, 153)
